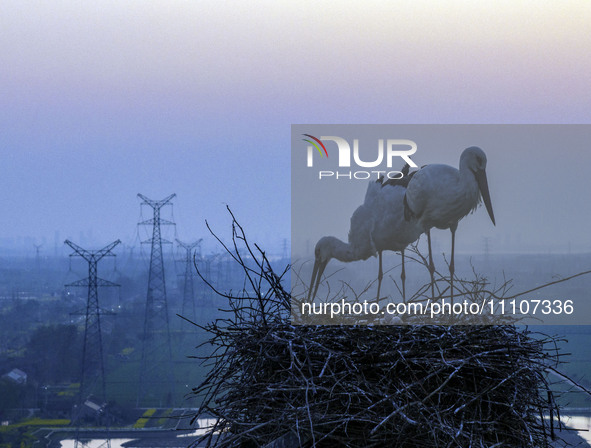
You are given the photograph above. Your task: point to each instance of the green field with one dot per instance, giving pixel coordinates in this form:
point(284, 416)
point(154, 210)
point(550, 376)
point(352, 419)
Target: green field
point(122, 376)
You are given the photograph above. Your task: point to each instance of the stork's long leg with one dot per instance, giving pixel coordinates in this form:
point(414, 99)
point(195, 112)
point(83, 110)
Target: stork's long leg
point(451, 264)
point(380, 274)
point(403, 278)
point(431, 265)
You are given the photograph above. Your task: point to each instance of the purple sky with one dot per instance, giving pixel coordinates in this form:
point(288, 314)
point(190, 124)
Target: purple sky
point(99, 102)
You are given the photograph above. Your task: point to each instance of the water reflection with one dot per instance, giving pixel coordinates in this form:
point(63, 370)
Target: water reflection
point(203, 426)
point(96, 443)
point(582, 423)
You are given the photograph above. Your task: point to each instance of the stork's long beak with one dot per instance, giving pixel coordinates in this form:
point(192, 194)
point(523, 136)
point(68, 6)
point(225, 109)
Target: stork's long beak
point(483, 186)
point(317, 272)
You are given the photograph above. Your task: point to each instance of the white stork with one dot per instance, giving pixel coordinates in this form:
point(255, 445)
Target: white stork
point(377, 225)
point(440, 195)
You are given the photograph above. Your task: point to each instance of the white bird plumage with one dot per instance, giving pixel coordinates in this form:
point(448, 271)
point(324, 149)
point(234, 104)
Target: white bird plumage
point(376, 225)
point(440, 196)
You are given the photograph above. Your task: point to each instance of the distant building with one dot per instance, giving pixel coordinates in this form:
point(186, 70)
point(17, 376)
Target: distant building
point(93, 407)
point(93, 411)
point(16, 375)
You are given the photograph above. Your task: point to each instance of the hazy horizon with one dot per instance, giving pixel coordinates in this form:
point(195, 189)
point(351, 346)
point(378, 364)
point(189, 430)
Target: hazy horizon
point(104, 101)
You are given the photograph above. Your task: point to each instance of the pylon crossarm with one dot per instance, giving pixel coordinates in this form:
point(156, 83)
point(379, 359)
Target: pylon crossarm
point(81, 282)
point(151, 240)
point(188, 246)
point(103, 282)
point(92, 255)
point(99, 282)
point(155, 204)
point(151, 221)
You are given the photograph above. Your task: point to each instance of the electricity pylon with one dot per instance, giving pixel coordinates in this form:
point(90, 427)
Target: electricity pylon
point(38, 259)
point(156, 370)
point(38, 281)
point(92, 378)
point(188, 310)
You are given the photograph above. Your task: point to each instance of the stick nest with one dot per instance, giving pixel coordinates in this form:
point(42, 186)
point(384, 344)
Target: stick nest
point(276, 384)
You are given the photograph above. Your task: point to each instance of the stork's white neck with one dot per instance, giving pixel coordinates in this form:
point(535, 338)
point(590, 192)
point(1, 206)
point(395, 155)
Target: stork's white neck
point(342, 251)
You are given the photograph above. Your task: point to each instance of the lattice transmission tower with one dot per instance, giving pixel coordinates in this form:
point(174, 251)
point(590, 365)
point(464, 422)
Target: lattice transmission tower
point(38, 258)
point(156, 368)
point(38, 281)
point(92, 378)
point(188, 310)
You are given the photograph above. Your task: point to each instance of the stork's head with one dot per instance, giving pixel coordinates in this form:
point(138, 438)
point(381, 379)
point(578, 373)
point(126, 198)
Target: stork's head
point(474, 159)
point(327, 247)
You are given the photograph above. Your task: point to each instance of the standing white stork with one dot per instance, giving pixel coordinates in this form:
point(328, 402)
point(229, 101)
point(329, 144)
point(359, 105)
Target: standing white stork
point(377, 225)
point(440, 195)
